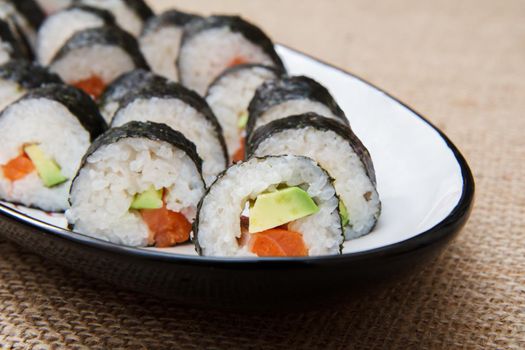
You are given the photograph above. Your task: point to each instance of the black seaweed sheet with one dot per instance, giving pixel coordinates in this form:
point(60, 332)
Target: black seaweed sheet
point(275, 92)
point(105, 15)
point(139, 7)
point(31, 11)
point(105, 36)
point(170, 18)
point(28, 74)
point(11, 34)
point(77, 102)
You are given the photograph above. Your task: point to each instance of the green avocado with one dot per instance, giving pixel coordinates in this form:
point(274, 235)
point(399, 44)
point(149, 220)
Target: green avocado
point(277, 208)
point(48, 170)
point(345, 218)
point(243, 120)
point(149, 199)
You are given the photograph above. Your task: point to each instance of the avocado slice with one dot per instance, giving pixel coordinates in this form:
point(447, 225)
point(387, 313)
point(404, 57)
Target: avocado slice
point(343, 212)
point(243, 120)
point(149, 199)
point(48, 170)
point(277, 208)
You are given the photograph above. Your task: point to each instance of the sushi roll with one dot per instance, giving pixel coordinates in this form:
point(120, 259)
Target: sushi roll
point(229, 96)
point(184, 111)
point(339, 151)
point(288, 96)
point(160, 41)
point(213, 44)
point(19, 76)
point(61, 26)
point(139, 185)
point(127, 83)
point(44, 136)
point(130, 14)
point(91, 59)
point(52, 6)
point(12, 44)
point(27, 14)
point(268, 207)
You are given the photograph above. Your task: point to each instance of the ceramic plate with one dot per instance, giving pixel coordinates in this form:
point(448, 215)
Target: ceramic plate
point(426, 188)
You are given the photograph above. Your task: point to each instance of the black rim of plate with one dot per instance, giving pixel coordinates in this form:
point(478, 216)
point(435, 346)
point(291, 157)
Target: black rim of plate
point(446, 227)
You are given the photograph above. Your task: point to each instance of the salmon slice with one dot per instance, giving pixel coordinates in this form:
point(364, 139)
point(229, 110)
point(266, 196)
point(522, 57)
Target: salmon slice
point(278, 242)
point(167, 227)
point(237, 61)
point(93, 86)
point(238, 156)
point(18, 168)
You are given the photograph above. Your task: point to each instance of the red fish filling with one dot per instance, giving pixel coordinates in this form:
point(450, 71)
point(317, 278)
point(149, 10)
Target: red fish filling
point(94, 86)
point(18, 168)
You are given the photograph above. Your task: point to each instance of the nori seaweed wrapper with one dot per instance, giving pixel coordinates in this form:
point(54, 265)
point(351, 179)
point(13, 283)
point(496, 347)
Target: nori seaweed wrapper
point(275, 92)
point(27, 74)
point(31, 11)
point(317, 122)
point(170, 18)
point(11, 34)
point(148, 130)
point(164, 89)
point(77, 102)
point(127, 83)
point(278, 71)
point(105, 36)
point(104, 15)
point(237, 25)
point(139, 7)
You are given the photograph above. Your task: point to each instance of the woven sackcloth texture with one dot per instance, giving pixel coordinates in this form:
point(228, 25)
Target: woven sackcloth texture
point(461, 64)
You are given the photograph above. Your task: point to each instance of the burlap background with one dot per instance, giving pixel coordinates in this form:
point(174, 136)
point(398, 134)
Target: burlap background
point(462, 64)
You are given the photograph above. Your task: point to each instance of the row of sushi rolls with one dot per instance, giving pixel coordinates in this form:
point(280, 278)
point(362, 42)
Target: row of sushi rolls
point(161, 130)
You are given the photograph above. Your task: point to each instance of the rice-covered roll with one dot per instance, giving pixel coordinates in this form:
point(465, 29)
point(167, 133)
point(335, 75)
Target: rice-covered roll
point(160, 41)
point(339, 151)
point(130, 82)
point(52, 6)
point(288, 96)
point(182, 110)
point(44, 136)
point(12, 44)
point(211, 45)
point(229, 96)
point(130, 14)
point(139, 185)
point(91, 59)
point(61, 26)
point(268, 207)
point(17, 77)
point(26, 13)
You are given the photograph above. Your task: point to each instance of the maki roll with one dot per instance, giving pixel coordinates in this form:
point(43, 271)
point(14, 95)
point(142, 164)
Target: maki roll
point(61, 26)
point(93, 58)
point(184, 111)
point(44, 136)
point(19, 76)
point(288, 96)
point(127, 83)
point(138, 185)
point(272, 206)
point(52, 6)
point(13, 45)
point(339, 151)
point(229, 96)
point(160, 41)
point(130, 14)
point(27, 14)
point(213, 44)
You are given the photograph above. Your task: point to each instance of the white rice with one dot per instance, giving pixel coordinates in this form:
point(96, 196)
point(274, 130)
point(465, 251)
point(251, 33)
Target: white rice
point(63, 139)
point(125, 17)
point(293, 107)
point(219, 216)
point(230, 96)
point(6, 51)
point(338, 158)
point(161, 48)
point(59, 27)
point(106, 62)
point(10, 91)
point(181, 117)
point(109, 110)
point(102, 193)
point(52, 6)
point(207, 54)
